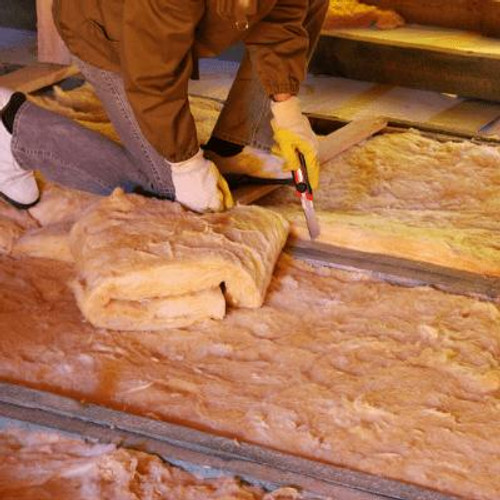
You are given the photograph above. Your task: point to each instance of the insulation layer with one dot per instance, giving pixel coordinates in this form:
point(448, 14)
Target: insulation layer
point(355, 14)
point(335, 366)
point(36, 465)
point(409, 196)
point(147, 264)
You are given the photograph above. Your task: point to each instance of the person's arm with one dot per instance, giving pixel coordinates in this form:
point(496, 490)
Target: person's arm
point(278, 47)
point(156, 61)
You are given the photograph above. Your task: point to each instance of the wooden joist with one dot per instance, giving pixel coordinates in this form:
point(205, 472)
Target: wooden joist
point(198, 451)
point(435, 59)
point(399, 271)
point(478, 15)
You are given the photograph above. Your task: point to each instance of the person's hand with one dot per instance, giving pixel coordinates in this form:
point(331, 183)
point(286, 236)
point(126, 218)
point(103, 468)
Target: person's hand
point(199, 186)
point(292, 133)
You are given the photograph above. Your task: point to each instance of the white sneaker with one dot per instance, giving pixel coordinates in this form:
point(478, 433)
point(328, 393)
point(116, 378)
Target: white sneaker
point(17, 186)
point(251, 162)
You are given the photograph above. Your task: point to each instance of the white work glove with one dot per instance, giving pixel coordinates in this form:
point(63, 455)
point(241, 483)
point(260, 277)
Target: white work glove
point(293, 132)
point(199, 186)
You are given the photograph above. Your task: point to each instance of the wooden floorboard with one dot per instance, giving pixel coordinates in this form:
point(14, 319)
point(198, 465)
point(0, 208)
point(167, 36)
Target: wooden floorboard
point(194, 449)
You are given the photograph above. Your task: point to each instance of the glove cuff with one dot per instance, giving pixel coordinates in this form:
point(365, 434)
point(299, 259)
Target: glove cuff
point(189, 162)
point(286, 112)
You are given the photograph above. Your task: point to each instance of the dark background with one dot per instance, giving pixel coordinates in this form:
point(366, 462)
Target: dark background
point(20, 14)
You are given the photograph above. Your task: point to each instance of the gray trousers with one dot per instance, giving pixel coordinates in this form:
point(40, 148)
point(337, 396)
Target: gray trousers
point(69, 154)
point(246, 116)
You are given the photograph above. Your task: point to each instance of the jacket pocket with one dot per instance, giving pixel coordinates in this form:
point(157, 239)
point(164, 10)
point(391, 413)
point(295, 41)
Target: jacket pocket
point(99, 49)
point(100, 32)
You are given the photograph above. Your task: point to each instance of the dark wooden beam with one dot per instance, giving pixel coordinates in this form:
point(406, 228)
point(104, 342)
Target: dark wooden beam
point(196, 450)
point(490, 21)
point(478, 15)
point(467, 75)
point(461, 14)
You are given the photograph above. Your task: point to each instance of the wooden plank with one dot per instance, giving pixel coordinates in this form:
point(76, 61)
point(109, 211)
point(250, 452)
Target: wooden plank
point(345, 99)
point(184, 446)
point(473, 76)
point(463, 14)
point(468, 116)
point(399, 271)
point(36, 76)
point(478, 15)
point(348, 136)
point(467, 44)
point(51, 48)
point(324, 124)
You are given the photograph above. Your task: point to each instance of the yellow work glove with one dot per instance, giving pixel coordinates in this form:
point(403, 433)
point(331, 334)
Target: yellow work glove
point(292, 133)
point(199, 186)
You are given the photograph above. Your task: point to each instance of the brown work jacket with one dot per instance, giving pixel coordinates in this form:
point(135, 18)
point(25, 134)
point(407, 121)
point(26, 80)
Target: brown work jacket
point(151, 43)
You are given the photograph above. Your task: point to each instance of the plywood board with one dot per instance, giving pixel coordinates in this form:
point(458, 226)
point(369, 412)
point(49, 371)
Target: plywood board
point(467, 116)
point(348, 136)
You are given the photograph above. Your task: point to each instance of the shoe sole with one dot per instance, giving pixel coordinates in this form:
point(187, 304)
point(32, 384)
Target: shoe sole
point(20, 206)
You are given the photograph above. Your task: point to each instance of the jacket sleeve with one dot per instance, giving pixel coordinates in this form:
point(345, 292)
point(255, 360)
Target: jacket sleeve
point(156, 62)
point(278, 46)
